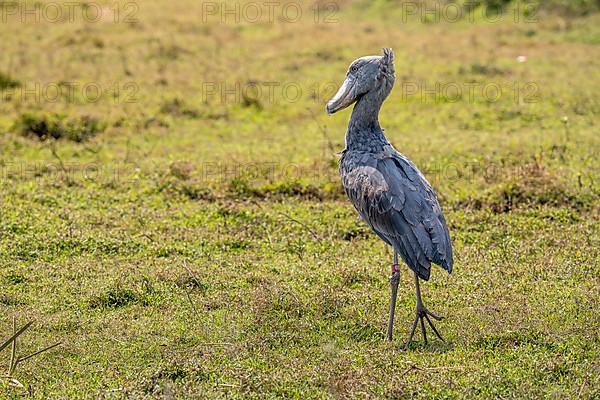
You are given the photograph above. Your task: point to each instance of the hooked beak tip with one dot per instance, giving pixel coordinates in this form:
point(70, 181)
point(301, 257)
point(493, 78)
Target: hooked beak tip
point(342, 99)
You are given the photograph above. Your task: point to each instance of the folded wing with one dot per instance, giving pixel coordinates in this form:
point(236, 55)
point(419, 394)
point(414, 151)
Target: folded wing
point(396, 200)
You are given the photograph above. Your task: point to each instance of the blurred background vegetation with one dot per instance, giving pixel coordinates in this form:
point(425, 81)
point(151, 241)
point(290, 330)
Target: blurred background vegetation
point(183, 233)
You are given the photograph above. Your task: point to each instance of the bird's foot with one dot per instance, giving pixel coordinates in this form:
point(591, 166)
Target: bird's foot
point(422, 315)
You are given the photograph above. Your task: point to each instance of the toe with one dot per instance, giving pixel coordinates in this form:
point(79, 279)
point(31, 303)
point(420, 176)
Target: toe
point(434, 316)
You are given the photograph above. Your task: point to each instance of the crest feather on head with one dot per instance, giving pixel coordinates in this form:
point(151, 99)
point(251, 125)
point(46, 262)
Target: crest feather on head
point(387, 61)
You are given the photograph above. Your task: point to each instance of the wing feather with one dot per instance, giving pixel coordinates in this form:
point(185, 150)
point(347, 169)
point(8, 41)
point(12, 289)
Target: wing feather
point(396, 200)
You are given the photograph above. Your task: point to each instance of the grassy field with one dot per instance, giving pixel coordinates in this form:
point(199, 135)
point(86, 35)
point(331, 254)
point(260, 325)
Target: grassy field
point(184, 237)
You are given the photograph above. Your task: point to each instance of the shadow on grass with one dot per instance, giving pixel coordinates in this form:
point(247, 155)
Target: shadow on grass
point(437, 346)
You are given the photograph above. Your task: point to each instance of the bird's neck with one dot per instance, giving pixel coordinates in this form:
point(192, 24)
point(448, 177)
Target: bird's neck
point(364, 131)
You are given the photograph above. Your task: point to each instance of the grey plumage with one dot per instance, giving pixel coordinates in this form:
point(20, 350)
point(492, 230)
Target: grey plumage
point(397, 202)
point(387, 189)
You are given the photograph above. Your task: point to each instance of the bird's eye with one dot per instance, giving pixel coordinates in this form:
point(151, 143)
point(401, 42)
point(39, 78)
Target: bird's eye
point(354, 68)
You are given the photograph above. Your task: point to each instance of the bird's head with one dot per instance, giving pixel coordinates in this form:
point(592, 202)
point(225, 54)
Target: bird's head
point(365, 75)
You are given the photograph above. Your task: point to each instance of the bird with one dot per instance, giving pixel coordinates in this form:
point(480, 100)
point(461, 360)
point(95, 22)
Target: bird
point(387, 189)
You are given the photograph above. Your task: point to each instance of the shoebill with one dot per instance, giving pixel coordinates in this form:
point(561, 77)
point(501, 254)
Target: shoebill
point(387, 189)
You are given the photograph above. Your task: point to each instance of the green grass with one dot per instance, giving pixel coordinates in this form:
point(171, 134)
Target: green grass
point(181, 246)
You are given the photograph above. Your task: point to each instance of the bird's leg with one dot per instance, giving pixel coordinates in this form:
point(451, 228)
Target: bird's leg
point(422, 315)
point(394, 281)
